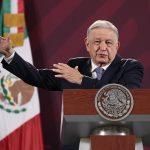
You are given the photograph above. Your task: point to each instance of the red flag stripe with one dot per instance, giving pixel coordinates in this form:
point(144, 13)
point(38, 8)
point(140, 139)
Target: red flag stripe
point(20, 10)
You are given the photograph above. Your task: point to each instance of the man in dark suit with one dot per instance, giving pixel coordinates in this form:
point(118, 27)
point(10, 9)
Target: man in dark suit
point(104, 65)
point(102, 45)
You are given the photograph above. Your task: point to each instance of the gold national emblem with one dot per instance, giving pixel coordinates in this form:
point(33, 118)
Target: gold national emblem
point(114, 102)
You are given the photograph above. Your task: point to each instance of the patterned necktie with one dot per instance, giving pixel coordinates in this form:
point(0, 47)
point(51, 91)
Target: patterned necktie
point(99, 71)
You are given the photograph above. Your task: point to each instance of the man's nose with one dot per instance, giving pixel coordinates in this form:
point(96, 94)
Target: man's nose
point(103, 46)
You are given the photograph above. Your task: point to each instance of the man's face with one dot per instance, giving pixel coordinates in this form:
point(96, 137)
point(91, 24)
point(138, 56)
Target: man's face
point(102, 45)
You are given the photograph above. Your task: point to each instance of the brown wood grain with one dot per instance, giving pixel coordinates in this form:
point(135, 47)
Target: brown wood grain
point(82, 102)
point(112, 142)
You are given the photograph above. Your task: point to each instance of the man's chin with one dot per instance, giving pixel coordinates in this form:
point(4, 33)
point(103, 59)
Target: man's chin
point(102, 61)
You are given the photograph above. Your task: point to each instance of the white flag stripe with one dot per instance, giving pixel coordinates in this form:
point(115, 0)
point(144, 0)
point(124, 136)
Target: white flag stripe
point(13, 30)
point(14, 6)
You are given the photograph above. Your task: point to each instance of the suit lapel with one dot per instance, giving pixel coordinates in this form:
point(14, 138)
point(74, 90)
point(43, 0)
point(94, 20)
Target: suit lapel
point(110, 72)
point(87, 69)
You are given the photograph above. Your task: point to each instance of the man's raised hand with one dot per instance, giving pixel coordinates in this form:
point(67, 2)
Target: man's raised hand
point(6, 46)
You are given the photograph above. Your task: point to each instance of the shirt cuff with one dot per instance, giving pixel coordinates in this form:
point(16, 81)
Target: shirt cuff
point(10, 58)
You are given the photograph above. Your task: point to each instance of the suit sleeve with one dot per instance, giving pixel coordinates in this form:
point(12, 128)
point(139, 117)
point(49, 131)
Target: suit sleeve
point(43, 78)
point(132, 74)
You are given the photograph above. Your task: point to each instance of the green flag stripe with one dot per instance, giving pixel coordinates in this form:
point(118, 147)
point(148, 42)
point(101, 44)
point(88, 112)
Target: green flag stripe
point(6, 30)
point(1, 23)
point(5, 9)
point(6, 6)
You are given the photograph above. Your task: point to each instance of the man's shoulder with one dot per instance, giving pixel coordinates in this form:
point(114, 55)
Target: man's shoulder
point(130, 61)
point(126, 61)
point(131, 64)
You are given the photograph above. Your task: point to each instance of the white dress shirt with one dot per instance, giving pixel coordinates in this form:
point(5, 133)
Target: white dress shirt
point(93, 67)
point(10, 58)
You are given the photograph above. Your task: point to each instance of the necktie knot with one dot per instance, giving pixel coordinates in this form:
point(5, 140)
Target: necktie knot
point(99, 71)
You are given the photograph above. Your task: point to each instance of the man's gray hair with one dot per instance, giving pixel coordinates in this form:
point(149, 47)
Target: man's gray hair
point(103, 24)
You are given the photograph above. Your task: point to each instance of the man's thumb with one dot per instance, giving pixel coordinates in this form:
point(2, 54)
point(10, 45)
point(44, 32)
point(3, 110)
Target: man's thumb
point(8, 37)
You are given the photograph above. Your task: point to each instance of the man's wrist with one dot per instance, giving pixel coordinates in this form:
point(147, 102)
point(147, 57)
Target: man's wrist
point(80, 80)
point(9, 53)
point(10, 58)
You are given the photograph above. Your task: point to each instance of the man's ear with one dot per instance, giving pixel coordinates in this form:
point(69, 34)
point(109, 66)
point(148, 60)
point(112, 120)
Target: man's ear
point(118, 45)
point(86, 44)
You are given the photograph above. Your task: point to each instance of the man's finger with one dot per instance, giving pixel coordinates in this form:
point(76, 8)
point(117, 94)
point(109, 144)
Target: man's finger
point(64, 65)
point(8, 37)
point(59, 76)
point(57, 70)
point(2, 38)
point(58, 66)
point(76, 67)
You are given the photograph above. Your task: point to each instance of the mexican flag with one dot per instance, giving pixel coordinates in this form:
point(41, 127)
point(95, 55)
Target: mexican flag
point(20, 127)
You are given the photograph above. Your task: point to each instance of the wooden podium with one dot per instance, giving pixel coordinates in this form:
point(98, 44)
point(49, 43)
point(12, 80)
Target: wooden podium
point(80, 119)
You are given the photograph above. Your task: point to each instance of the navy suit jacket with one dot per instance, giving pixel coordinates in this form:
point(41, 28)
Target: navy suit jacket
point(127, 72)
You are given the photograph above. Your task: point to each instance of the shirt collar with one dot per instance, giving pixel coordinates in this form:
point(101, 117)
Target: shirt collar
point(93, 66)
